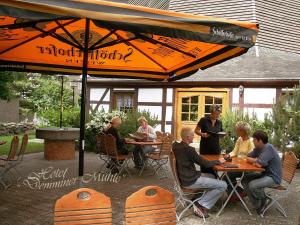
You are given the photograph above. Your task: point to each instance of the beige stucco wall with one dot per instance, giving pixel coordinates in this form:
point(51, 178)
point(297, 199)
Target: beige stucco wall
point(9, 111)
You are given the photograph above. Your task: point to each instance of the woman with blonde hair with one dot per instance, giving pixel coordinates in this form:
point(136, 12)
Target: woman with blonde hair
point(243, 146)
point(244, 143)
point(140, 152)
point(146, 129)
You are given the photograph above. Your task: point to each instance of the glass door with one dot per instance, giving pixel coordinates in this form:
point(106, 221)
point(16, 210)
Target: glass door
point(191, 106)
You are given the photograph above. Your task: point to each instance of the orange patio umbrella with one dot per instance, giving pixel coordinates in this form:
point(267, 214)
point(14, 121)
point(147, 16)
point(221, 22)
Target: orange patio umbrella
point(110, 39)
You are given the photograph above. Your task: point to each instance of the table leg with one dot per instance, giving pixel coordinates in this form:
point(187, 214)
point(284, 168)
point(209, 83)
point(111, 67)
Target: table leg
point(241, 199)
point(236, 192)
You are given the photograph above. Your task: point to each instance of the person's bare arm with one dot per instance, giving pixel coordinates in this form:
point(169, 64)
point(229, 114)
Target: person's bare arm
point(222, 160)
point(254, 162)
point(198, 132)
point(251, 160)
point(257, 164)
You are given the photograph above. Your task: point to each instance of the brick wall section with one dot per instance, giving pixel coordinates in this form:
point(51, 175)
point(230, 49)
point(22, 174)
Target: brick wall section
point(9, 111)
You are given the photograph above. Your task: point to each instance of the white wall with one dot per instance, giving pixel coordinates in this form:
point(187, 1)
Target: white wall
point(154, 110)
point(235, 95)
point(169, 95)
point(255, 96)
point(150, 95)
point(168, 128)
point(258, 112)
point(144, 95)
point(169, 112)
point(96, 94)
point(158, 127)
point(260, 95)
point(102, 106)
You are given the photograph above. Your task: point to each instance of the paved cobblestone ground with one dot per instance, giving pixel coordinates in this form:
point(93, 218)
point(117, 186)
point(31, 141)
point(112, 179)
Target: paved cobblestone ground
point(21, 205)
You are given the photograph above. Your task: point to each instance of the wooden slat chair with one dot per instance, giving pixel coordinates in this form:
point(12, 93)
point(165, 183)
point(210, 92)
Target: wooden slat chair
point(186, 197)
point(19, 158)
point(160, 159)
point(159, 137)
point(118, 161)
point(150, 206)
point(83, 206)
point(102, 151)
point(23, 147)
point(289, 166)
point(6, 162)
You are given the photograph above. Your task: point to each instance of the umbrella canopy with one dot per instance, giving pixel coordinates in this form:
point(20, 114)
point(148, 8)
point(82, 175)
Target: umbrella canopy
point(124, 40)
point(110, 39)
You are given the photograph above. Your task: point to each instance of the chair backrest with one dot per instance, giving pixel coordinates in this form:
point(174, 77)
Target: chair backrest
point(150, 205)
point(111, 145)
point(289, 166)
point(13, 148)
point(166, 146)
point(83, 206)
point(174, 168)
point(159, 135)
point(23, 147)
point(101, 147)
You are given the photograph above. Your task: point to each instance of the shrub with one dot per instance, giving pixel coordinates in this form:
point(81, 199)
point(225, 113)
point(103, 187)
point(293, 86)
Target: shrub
point(51, 117)
point(97, 123)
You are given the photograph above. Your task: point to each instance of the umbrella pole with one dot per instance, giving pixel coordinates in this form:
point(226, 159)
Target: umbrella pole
point(83, 96)
point(61, 101)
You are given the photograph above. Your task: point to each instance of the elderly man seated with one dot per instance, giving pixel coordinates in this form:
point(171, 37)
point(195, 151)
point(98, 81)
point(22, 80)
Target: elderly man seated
point(186, 158)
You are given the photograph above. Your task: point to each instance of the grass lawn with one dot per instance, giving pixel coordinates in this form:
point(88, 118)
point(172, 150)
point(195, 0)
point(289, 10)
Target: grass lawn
point(31, 147)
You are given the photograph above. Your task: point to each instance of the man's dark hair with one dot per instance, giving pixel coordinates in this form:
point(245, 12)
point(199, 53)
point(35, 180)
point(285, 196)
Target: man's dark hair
point(261, 135)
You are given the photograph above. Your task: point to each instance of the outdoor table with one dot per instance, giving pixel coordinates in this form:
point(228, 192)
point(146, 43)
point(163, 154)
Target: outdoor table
point(59, 142)
point(141, 143)
point(244, 167)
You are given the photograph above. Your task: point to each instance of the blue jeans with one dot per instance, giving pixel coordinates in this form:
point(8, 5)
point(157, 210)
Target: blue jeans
point(254, 184)
point(215, 189)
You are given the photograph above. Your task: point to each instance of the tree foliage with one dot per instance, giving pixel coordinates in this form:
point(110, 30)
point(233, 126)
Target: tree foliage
point(40, 95)
point(7, 80)
point(285, 121)
point(40, 92)
point(282, 125)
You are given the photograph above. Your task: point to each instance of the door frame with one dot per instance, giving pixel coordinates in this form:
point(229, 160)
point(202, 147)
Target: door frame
point(208, 91)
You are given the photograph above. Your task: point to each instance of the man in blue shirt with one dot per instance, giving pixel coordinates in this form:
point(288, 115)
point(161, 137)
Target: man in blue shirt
point(266, 156)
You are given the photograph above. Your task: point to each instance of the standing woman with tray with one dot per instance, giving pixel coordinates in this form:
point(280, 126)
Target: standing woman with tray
point(209, 128)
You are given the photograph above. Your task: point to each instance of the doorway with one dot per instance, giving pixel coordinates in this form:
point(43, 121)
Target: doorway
point(193, 104)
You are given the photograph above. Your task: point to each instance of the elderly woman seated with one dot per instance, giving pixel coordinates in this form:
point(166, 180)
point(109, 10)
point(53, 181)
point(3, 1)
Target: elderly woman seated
point(112, 128)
